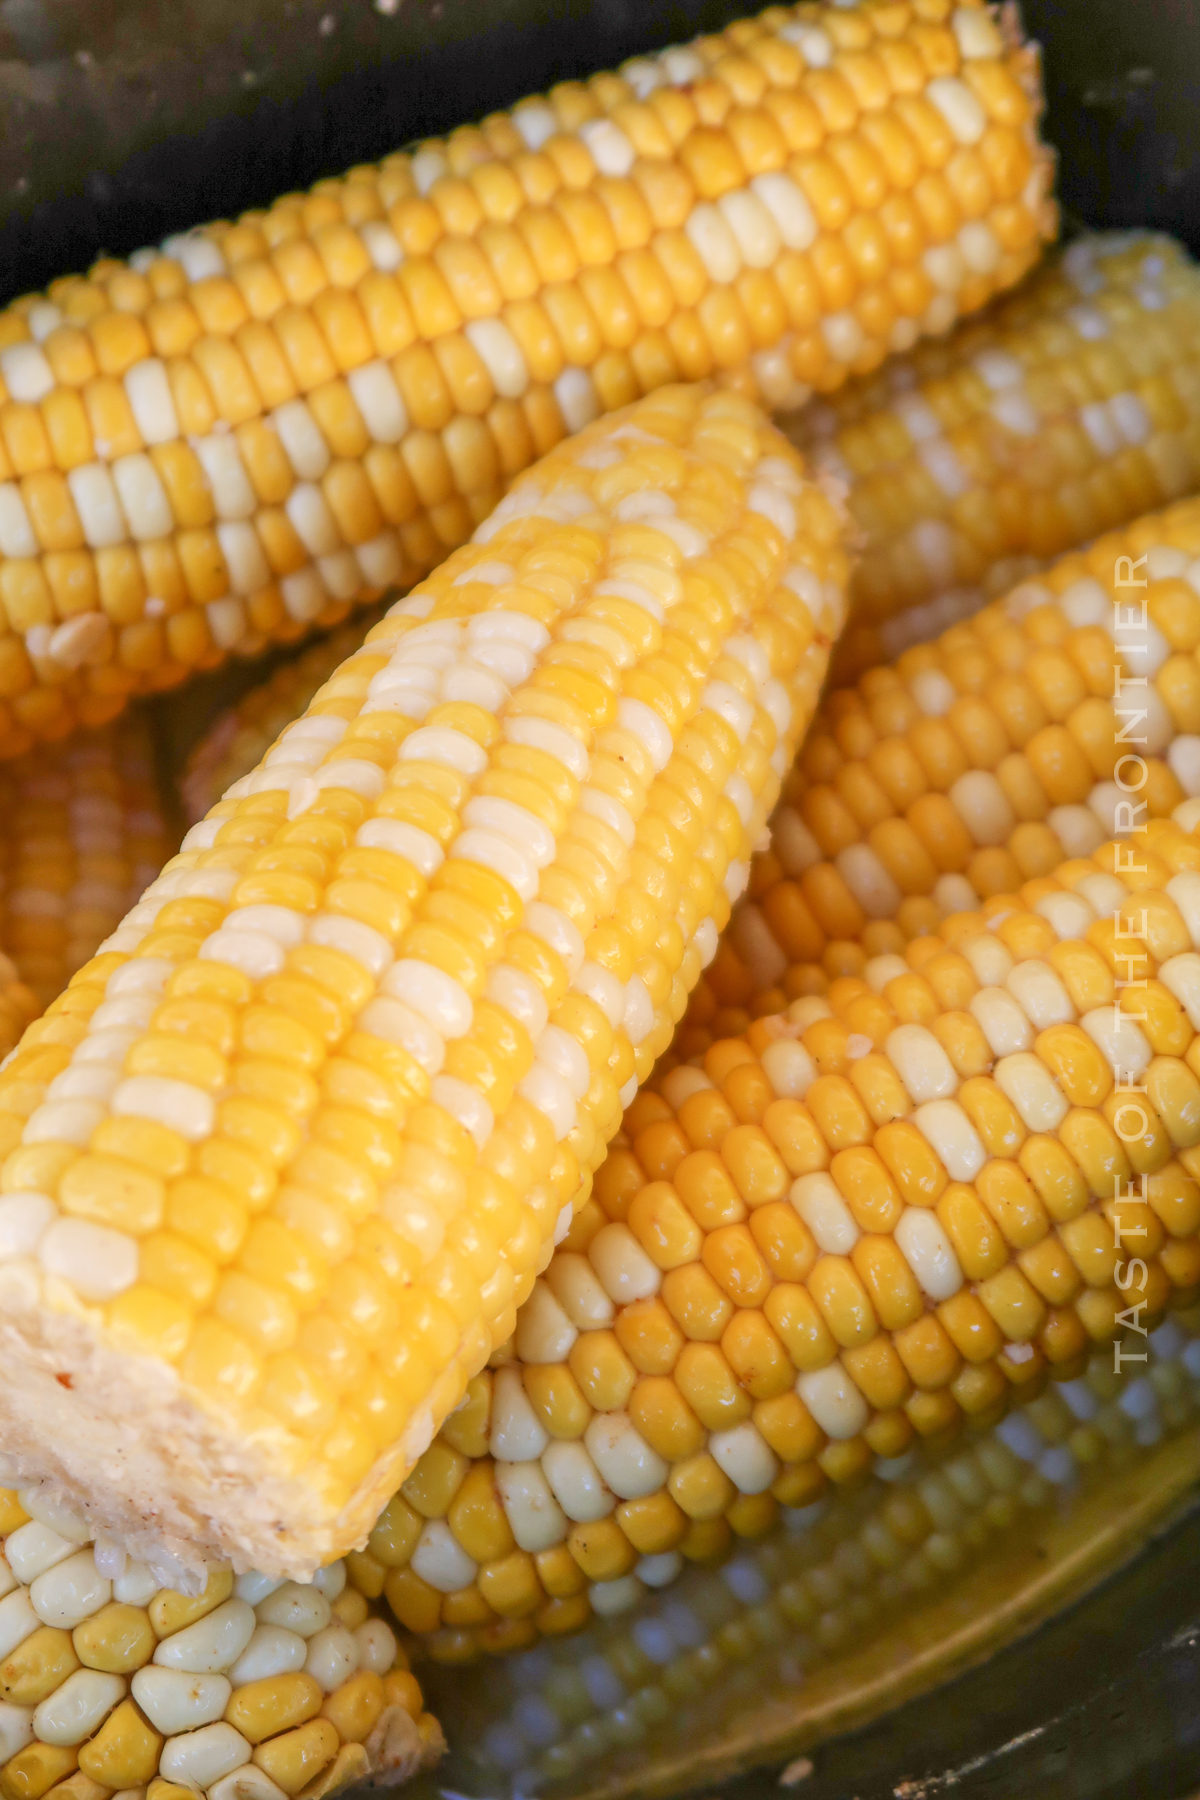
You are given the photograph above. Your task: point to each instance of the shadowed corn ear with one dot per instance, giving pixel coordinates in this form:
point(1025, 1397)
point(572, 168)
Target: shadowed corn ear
point(255, 1689)
point(975, 763)
point(232, 438)
point(1065, 411)
point(875, 1217)
point(19, 1004)
point(355, 1054)
point(83, 834)
point(656, 1666)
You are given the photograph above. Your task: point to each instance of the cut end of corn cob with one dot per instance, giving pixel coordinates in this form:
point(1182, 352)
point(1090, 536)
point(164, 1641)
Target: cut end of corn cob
point(976, 763)
point(876, 1217)
point(351, 1061)
point(1062, 413)
point(233, 438)
point(254, 1689)
point(83, 836)
point(243, 734)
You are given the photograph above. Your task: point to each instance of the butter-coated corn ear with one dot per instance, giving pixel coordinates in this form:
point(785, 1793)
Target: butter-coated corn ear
point(875, 1217)
point(245, 731)
point(288, 1153)
point(675, 1667)
point(1065, 411)
point(255, 1689)
point(226, 441)
point(1028, 734)
point(82, 835)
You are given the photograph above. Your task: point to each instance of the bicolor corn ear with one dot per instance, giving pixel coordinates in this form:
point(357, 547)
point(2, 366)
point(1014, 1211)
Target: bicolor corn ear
point(233, 438)
point(252, 1689)
point(840, 1574)
point(874, 1218)
point(1056, 417)
point(972, 764)
point(352, 1059)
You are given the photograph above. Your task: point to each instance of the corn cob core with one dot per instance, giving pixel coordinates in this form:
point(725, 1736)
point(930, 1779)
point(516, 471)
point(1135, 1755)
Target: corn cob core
point(977, 762)
point(679, 1666)
point(255, 1689)
point(229, 440)
point(1063, 412)
point(874, 1217)
point(83, 835)
point(245, 731)
point(288, 1153)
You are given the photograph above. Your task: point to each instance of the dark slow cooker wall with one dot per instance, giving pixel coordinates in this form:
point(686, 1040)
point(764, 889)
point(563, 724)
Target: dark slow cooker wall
point(122, 120)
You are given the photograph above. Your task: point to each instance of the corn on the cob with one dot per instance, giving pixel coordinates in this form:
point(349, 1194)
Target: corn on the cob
point(224, 442)
point(1066, 411)
point(83, 834)
point(254, 1690)
point(288, 1153)
point(1064, 713)
point(877, 1216)
point(244, 733)
point(676, 1668)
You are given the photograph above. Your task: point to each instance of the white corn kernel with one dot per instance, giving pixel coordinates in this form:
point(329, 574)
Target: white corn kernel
point(174, 1701)
point(271, 1651)
point(213, 1643)
point(198, 1758)
point(577, 1483)
point(745, 1457)
point(820, 1204)
point(950, 1134)
point(333, 1654)
point(70, 1592)
point(16, 1728)
point(535, 1518)
point(544, 1332)
point(376, 1646)
point(1027, 1082)
point(296, 1608)
point(833, 1400)
point(625, 1461)
point(625, 1271)
point(928, 1252)
point(517, 1434)
point(921, 1063)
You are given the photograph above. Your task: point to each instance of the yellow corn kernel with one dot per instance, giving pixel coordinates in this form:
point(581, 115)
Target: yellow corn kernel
point(298, 1757)
point(263, 1708)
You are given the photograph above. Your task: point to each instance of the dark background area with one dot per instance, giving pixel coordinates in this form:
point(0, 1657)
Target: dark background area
point(123, 120)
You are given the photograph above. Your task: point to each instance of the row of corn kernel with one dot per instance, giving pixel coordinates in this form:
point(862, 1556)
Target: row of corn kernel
point(676, 1668)
point(882, 1213)
point(83, 836)
point(252, 1690)
point(1065, 712)
point(1058, 415)
point(393, 992)
point(230, 440)
point(245, 731)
